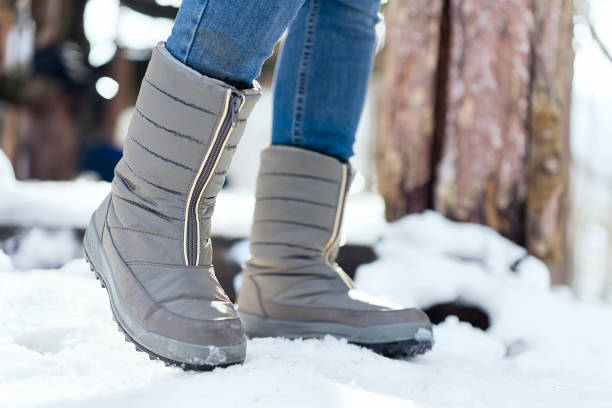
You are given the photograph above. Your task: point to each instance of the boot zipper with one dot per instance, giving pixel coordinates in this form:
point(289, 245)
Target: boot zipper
point(191, 239)
point(333, 240)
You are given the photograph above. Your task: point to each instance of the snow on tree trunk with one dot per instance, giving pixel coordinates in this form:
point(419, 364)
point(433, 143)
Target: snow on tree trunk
point(474, 116)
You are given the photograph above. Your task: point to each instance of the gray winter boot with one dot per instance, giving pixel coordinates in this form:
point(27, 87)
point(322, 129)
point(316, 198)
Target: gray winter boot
point(291, 286)
point(149, 242)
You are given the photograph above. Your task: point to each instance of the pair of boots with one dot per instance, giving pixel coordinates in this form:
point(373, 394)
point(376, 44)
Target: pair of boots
point(149, 241)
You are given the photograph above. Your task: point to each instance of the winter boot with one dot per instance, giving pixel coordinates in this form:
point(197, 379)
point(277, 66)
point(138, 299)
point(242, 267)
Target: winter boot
point(149, 242)
point(291, 286)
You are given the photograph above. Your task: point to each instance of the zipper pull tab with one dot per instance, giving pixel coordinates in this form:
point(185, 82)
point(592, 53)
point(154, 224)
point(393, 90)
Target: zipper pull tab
point(235, 108)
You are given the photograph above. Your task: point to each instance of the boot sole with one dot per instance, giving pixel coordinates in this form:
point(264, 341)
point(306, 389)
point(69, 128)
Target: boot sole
point(172, 352)
point(390, 340)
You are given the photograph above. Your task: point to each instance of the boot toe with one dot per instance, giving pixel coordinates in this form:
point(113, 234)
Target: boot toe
point(188, 304)
point(218, 331)
point(416, 316)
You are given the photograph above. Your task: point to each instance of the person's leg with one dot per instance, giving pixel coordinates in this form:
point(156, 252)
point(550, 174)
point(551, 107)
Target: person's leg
point(229, 39)
point(323, 74)
point(149, 241)
point(291, 285)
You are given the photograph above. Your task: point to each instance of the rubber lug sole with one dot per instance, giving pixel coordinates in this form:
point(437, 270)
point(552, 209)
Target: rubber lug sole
point(398, 349)
point(406, 339)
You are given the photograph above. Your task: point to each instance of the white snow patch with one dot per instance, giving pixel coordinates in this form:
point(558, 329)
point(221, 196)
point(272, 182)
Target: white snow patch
point(536, 333)
point(239, 252)
point(60, 348)
point(423, 335)
point(50, 203)
point(69, 204)
point(216, 355)
point(6, 263)
point(7, 175)
point(426, 259)
point(237, 282)
point(42, 248)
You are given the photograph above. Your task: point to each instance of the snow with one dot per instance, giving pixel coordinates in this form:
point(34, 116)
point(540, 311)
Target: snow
point(61, 205)
point(591, 144)
point(536, 332)
point(60, 348)
point(43, 248)
point(473, 261)
point(56, 204)
point(50, 203)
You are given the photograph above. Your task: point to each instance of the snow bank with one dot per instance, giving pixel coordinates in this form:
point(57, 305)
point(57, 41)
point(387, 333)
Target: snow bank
point(60, 348)
point(67, 204)
point(435, 260)
point(42, 248)
point(53, 204)
point(536, 332)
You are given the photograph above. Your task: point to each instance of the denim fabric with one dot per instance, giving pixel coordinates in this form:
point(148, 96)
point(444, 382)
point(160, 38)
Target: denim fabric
point(229, 39)
point(323, 70)
point(322, 76)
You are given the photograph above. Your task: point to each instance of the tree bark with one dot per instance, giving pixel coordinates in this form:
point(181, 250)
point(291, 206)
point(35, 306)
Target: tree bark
point(481, 175)
point(549, 157)
point(474, 119)
point(407, 108)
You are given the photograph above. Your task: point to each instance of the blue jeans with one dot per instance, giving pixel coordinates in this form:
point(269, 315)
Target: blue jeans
point(323, 70)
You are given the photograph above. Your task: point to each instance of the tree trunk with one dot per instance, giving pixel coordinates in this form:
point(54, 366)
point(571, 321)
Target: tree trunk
point(549, 157)
point(481, 175)
point(406, 131)
point(488, 142)
point(43, 133)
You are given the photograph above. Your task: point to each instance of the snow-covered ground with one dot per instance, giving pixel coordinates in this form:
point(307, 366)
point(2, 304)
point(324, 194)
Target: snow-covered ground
point(60, 348)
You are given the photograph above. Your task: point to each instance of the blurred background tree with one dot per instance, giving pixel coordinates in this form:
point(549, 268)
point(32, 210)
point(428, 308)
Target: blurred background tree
point(60, 110)
point(474, 121)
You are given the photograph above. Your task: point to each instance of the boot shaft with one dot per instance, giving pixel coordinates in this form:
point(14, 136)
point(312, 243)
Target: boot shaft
point(181, 139)
point(300, 200)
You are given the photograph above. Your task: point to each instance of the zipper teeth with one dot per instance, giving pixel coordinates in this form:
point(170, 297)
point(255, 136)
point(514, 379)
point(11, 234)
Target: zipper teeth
point(335, 232)
point(192, 219)
point(210, 172)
